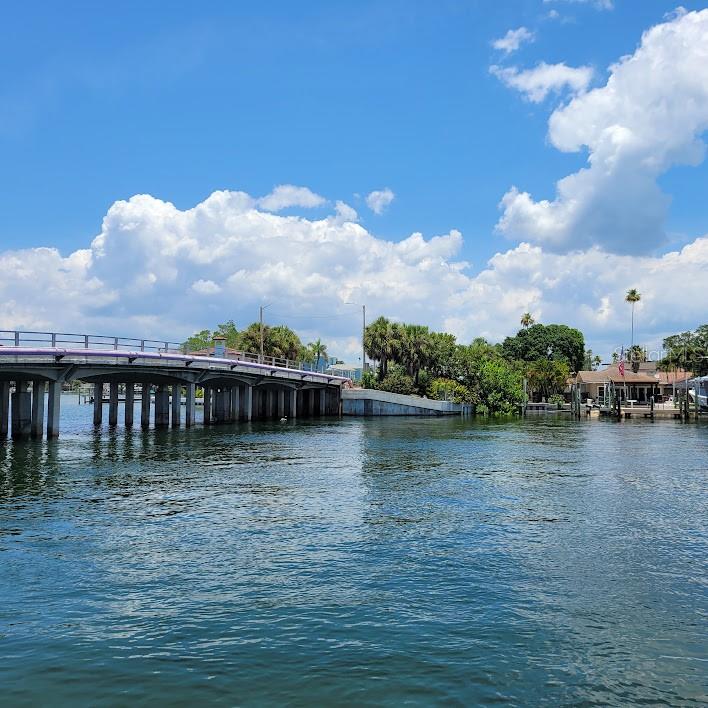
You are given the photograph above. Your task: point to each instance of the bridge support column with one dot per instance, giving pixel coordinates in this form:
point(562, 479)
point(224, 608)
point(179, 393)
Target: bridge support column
point(207, 405)
point(4, 408)
point(145, 407)
point(113, 405)
point(311, 406)
point(323, 402)
point(220, 405)
point(293, 403)
point(97, 403)
point(281, 403)
point(21, 411)
point(37, 425)
point(53, 409)
point(189, 408)
point(176, 404)
point(269, 403)
point(235, 403)
point(162, 407)
point(129, 405)
point(248, 402)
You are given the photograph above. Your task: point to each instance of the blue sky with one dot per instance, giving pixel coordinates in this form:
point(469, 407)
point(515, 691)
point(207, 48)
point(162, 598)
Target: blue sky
point(177, 100)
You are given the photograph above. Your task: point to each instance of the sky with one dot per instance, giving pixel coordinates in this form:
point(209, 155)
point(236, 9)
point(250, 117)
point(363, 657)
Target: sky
point(167, 166)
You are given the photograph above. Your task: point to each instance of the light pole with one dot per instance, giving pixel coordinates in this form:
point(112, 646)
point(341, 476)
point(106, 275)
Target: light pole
point(363, 336)
point(262, 307)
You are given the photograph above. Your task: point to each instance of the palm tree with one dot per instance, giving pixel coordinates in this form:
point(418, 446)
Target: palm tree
point(632, 297)
point(527, 320)
point(318, 351)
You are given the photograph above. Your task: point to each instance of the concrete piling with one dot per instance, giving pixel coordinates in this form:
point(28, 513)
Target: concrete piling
point(97, 403)
point(162, 407)
point(113, 404)
point(293, 403)
point(207, 405)
point(235, 403)
point(281, 402)
point(129, 404)
point(145, 407)
point(189, 407)
point(21, 411)
point(4, 408)
point(53, 409)
point(37, 424)
point(323, 402)
point(248, 402)
point(176, 404)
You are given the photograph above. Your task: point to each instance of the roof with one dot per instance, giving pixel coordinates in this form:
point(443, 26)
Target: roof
point(611, 373)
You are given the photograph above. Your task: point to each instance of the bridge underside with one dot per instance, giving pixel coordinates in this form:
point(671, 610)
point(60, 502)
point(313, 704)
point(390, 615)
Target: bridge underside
point(168, 395)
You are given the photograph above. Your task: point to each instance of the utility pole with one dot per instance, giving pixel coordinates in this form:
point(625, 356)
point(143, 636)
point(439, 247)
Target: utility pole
point(262, 307)
point(363, 338)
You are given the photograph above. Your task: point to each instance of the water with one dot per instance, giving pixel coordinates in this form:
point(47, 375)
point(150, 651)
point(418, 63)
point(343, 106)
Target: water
point(355, 562)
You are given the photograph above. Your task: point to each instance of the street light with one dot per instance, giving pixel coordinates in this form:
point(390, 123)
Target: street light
point(363, 335)
point(262, 307)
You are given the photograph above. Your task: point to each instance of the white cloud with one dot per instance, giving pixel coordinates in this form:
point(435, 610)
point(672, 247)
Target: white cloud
point(378, 200)
point(345, 212)
point(285, 196)
point(205, 287)
point(158, 271)
point(650, 116)
point(535, 84)
point(513, 39)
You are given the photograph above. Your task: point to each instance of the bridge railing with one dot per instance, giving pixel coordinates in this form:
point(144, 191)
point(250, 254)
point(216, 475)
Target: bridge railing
point(69, 340)
point(73, 340)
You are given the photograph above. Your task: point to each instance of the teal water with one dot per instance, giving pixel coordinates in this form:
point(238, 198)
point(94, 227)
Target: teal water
point(356, 562)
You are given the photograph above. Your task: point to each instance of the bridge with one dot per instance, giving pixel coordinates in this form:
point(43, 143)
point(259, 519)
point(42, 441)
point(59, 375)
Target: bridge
point(35, 366)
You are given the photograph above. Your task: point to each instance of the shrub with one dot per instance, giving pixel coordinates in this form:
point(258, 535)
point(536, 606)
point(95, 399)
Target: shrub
point(397, 381)
point(449, 390)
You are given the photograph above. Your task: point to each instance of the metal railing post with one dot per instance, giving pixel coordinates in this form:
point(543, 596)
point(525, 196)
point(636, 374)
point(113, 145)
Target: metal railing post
point(54, 340)
point(86, 341)
point(17, 339)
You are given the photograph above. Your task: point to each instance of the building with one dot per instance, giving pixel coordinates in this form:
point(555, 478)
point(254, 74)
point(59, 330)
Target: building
point(637, 386)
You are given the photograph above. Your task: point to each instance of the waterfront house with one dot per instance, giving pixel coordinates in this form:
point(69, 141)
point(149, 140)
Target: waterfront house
point(637, 386)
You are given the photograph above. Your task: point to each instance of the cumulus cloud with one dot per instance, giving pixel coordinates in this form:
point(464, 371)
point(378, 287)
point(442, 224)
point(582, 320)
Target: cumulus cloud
point(649, 116)
point(378, 200)
point(158, 271)
point(535, 84)
point(345, 212)
point(285, 196)
point(513, 39)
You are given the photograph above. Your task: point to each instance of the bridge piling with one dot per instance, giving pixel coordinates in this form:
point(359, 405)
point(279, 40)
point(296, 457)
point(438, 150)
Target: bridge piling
point(37, 424)
point(113, 404)
point(207, 405)
point(293, 403)
point(189, 407)
point(176, 404)
point(21, 411)
point(248, 403)
point(97, 403)
point(53, 409)
point(145, 406)
point(235, 403)
point(269, 403)
point(4, 408)
point(129, 404)
point(323, 402)
point(281, 402)
point(162, 407)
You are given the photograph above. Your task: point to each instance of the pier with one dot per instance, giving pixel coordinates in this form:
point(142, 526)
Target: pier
point(241, 388)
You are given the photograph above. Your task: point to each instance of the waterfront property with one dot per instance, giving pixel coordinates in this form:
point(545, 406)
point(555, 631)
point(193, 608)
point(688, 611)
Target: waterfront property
point(233, 388)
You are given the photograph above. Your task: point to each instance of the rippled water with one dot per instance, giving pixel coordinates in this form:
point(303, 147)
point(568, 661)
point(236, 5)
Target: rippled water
point(356, 562)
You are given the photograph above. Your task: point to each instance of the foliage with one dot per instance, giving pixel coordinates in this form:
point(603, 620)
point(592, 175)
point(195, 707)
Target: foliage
point(205, 338)
point(554, 342)
point(316, 352)
point(687, 351)
point(547, 377)
point(368, 379)
point(556, 399)
point(499, 387)
point(397, 381)
point(527, 320)
point(449, 390)
point(632, 296)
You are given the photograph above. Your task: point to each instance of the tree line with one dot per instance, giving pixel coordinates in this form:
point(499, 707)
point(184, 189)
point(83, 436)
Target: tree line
point(278, 341)
point(414, 359)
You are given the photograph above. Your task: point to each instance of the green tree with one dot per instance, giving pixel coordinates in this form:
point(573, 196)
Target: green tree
point(317, 351)
point(546, 376)
point(382, 343)
point(632, 297)
point(555, 341)
point(448, 390)
point(198, 341)
point(687, 351)
point(279, 341)
point(397, 381)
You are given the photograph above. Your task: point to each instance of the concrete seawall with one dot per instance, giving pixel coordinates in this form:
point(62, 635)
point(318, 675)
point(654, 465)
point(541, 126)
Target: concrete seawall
point(368, 402)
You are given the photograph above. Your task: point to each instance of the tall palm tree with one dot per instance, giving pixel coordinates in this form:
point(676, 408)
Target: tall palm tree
point(527, 320)
point(632, 297)
point(318, 351)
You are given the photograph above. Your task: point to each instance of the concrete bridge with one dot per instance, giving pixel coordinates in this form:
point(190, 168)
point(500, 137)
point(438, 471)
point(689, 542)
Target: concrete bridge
point(240, 387)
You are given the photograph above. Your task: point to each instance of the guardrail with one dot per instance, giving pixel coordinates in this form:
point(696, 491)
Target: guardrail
point(68, 340)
